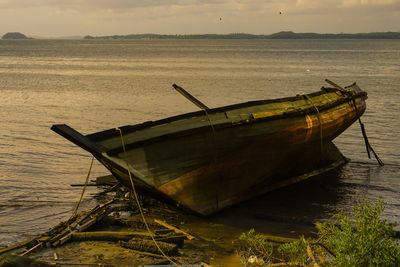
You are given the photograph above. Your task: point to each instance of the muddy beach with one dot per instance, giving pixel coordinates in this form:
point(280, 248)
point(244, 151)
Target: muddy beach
point(280, 216)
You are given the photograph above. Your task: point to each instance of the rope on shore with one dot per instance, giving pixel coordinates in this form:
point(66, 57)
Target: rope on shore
point(84, 188)
point(138, 202)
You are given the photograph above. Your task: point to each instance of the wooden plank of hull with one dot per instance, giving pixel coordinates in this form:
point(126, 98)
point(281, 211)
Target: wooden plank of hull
point(217, 186)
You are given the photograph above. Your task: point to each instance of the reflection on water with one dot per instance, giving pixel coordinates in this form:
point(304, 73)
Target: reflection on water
point(295, 209)
point(94, 85)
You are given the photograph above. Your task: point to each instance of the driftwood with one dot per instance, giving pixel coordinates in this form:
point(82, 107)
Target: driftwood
point(310, 254)
point(176, 230)
point(106, 180)
point(139, 224)
point(108, 236)
point(126, 236)
point(61, 233)
point(78, 228)
point(17, 246)
point(167, 237)
point(82, 222)
point(176, 239)
point(31, 249)
point(163, 231)
point(149, 246)
point(88, 184)
point(41, 238)
point(33, 242)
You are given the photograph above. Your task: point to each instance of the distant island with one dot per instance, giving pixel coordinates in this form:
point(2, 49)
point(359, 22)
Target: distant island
point(278, 35)
point(14, 35)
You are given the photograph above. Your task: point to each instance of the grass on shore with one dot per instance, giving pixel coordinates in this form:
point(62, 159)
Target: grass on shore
point(361, 238)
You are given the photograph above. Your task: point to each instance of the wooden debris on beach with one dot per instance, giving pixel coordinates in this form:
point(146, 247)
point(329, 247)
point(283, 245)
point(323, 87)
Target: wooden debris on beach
point(176, 230)
point(125, 236)
point(175, 239)
point(137, 223)
point(106, 180)
point(149, 246)
point(40, 239)
point(62, 232)
point(17, 246)
point(139, 238)
point(169, 238)
point(108, 236)
point(84, 221)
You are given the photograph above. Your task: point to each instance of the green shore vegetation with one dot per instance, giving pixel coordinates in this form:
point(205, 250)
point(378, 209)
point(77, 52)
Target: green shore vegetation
point(361, 238)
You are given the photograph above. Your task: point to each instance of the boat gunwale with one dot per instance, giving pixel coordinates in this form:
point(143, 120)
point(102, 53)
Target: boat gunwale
point(289, 114)
point(110, 133)
point(197, 130)
point(132, 128)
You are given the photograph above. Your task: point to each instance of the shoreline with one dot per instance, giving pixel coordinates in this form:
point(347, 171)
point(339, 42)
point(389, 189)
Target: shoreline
point(202, 241)
point(215, 242)
point(278, 35)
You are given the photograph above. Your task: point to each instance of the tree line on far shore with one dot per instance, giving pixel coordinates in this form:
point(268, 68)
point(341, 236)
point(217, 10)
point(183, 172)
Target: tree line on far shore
point(278, 35)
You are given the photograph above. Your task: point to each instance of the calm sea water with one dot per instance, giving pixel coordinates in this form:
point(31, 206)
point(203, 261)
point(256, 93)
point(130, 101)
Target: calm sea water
point(94, 85)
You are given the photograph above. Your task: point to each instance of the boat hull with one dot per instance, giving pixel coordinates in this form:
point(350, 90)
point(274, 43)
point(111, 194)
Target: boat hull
point(208, 161)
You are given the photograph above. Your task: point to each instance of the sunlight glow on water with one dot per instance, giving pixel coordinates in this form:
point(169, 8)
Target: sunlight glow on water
point(95, 85)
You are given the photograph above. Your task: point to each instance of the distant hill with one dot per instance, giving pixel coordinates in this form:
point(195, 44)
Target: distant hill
point(371, 35)
point(278, 35)
point(72, 37)
point(14, 35)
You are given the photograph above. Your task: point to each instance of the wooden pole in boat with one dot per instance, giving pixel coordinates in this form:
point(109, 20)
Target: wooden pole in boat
point(190, 97)
point(344, 90)
point(205, 109)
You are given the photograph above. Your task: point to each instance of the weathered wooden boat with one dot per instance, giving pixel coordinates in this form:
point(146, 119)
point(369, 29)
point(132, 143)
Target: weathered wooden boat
point(211, 159)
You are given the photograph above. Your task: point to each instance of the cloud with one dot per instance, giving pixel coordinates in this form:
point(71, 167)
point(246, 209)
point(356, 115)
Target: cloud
point(84, 5)
point(124, 6)
point(366, 3)
point(103, 17)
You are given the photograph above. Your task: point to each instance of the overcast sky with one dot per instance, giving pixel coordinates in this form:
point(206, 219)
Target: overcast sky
point(106, 17)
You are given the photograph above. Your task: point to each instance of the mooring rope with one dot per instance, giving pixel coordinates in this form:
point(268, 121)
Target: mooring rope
point(364, 133)
point(83, 190)
point(138, 202)
point(351, 93)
